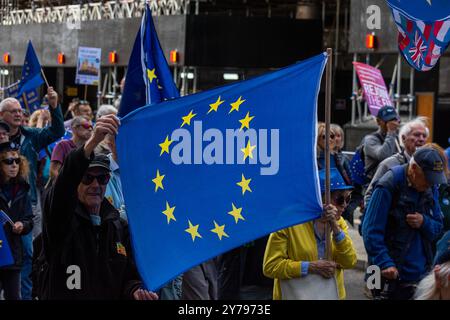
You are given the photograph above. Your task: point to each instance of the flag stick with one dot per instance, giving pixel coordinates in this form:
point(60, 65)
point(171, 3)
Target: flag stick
point(327, 147)
point(25, 101)
point(85, 92)
point(45, 78)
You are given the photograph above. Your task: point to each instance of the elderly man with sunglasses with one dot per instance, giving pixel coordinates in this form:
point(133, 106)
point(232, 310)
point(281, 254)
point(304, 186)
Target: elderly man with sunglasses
point(83, 231)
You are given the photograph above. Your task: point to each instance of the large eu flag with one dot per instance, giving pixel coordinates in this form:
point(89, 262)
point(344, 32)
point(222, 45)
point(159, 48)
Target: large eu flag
point(423, 30)
point(31, 72)
point(209, 172)
point(148, 79)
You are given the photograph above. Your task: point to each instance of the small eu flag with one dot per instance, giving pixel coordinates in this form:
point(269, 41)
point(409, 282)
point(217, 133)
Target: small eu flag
point(6, 258)
point(31, 72)
point(208, 172)
point(148, 79)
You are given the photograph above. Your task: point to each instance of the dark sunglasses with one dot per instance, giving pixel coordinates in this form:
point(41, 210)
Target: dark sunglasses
point(10, 161)
point(341, 200)
point(332, 136)
point(102, 179)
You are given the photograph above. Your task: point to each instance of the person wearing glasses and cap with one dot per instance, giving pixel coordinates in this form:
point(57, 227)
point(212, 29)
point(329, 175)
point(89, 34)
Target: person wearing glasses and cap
point(81, 228)
point(300, 250)
point(402, 221)
point(16, 203)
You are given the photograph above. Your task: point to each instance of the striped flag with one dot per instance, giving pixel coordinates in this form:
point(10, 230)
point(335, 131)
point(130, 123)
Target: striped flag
point(423, 27)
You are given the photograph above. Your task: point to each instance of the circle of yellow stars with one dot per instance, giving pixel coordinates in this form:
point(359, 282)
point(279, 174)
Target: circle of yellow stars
point(244, 183)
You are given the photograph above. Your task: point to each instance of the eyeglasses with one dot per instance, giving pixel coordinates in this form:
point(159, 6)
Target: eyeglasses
point(102, 179)
point(83, 102)
point(341, 200)
point(10, 161)
point(85, 125)
point(18, 111)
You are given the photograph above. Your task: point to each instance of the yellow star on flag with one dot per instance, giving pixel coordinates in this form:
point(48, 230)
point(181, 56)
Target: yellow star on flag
point(187, 119)
point(244, 184)
point(235, 105)
point(193, 231)
point(219, 230)
point(158, 181)
point(236, 213)
point(214, 106)
point(151, 74)
point(246, 121)
point(169, 213)
point(165, 145)
point(248, 150)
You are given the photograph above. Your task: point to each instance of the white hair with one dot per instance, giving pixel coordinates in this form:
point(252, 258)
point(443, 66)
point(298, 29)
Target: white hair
point(427, 288)
point(6, 102)
point(407, 128)
point(106, 109)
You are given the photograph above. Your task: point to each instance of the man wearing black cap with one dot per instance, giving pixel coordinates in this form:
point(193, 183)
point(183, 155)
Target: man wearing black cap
point(403, 219)
point(83, 231)
point(382, 143)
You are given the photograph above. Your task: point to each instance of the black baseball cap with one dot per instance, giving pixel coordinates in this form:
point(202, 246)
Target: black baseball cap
point(4, 125)
point(432, 164)
point(9, 146)
point(387, 113)
point(100, 161)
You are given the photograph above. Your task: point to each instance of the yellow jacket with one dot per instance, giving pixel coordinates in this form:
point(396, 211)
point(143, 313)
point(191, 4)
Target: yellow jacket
point(287, 248)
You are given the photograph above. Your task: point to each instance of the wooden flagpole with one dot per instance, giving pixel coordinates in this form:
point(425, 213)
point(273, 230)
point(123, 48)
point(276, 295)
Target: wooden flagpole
point(45, 78)
point(25, 101)
point(328, 78)
point(85, 92)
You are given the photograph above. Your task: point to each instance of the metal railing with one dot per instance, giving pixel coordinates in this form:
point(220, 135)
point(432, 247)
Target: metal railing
point(109, 10)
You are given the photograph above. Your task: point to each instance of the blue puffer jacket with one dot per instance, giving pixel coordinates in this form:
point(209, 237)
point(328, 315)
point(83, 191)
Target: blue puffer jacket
point(33, 140)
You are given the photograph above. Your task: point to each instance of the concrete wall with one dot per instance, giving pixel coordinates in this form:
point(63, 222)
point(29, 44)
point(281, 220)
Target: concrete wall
point(49, 39)
point(386, 35)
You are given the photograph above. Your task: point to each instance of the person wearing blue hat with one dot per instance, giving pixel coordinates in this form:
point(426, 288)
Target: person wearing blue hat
point(402, 220)
point(300, 250)
point(436, 285)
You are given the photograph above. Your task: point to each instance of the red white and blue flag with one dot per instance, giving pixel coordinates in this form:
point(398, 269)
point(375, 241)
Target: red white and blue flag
point(423, 27)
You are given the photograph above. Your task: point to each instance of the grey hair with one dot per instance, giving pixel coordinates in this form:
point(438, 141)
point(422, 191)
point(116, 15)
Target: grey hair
point(408, 127)
point(6, 102)
point(106, 109)
point(427, 289)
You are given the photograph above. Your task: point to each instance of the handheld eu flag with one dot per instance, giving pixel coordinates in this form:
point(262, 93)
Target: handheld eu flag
point(208, 172)
point(148, 79)
point(31, 72)
point(6, 258)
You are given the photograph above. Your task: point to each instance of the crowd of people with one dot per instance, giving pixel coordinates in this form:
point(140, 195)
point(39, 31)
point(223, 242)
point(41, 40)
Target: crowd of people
point(60, 185)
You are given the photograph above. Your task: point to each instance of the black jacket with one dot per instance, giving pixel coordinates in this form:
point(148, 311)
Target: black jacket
point(102, 253)
point(19, 209)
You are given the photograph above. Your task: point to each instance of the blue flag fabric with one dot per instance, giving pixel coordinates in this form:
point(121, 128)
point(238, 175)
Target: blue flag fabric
point(211, 171)
point(33, 100)
point(31, 72)
point(6, 257)
point(148, 79)
point(423, 27)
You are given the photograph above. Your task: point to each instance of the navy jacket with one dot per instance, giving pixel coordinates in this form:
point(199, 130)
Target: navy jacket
point(388, 239)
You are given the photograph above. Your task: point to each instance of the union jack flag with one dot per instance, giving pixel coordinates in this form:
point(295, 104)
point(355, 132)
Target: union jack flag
point(422, 41)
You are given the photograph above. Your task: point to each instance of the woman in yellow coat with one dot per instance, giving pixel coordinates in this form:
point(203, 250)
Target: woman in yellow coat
point(300, 250)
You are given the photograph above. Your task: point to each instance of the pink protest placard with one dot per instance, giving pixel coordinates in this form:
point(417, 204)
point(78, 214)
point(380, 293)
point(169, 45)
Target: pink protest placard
point(374, 88)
